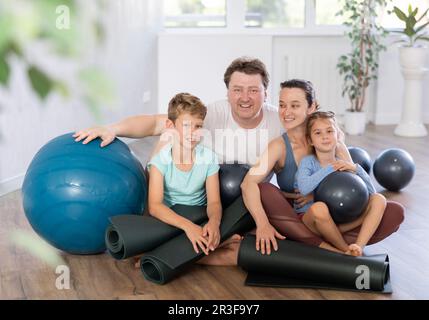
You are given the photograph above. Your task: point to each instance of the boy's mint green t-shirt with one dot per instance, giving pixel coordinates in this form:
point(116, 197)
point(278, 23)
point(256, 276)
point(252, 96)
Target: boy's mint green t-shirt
point(185, 187)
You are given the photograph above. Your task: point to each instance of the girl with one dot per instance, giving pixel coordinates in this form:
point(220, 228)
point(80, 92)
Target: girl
point(322, 135)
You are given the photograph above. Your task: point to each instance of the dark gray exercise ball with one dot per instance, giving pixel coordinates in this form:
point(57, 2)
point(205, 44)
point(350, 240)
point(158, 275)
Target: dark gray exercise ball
point(394, 168)
point(361, 157)
point(230, 177)
point(345, 194)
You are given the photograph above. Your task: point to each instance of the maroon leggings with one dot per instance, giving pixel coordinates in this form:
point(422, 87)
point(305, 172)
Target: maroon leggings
point(283, 217)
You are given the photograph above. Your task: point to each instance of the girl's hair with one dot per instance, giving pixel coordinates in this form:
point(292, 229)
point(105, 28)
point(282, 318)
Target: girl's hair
point(186, 103)
point(312, 118)
point(304, 85)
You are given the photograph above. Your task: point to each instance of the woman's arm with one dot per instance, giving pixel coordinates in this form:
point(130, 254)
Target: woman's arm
point(252, 197)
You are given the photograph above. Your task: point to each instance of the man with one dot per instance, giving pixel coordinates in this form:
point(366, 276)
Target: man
point(238, 129)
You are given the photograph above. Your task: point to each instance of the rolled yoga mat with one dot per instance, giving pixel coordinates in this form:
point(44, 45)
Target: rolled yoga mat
point(131, 235)
point(169, 259)
point(298, 265)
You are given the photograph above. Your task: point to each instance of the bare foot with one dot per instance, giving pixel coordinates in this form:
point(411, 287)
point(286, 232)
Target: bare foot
point(225, 256)
point(354, 250)
point(136, 261)
point(232, 239)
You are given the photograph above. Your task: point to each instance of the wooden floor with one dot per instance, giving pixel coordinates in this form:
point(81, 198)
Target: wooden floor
point(23, 276)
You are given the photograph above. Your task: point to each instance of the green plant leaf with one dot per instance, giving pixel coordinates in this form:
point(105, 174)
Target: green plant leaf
point(423, 15)
point(40, 81)
point(400, 14)
point(410, 9)
point(421, 27)
point(424, 38)
point(414, 13)
point(4, 70)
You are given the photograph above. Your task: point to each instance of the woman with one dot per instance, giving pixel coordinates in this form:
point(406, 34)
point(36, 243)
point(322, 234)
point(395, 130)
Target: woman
point(271, 207)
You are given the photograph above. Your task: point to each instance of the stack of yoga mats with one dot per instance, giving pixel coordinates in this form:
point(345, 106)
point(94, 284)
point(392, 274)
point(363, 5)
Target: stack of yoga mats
point(167, 250)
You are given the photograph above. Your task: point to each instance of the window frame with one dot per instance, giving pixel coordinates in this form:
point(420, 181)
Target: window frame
point(235, 24)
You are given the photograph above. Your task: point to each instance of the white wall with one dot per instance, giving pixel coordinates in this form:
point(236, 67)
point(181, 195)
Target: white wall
point(129, 56)
point(196, 63)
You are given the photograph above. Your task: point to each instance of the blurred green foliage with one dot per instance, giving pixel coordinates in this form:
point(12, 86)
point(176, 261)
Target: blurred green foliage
point(24, 22)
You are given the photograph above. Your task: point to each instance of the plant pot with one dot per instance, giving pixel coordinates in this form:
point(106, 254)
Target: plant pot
point(412, 57)
point(413, 62)
point(355, 122)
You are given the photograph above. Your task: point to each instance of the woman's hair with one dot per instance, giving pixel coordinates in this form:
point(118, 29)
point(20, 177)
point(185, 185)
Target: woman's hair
point(249, 66)
point(186, 103)
point(312, 118)
point(304, 85)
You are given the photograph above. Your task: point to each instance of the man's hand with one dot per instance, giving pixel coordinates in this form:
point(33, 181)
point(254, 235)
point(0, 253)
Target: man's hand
point(106, 134)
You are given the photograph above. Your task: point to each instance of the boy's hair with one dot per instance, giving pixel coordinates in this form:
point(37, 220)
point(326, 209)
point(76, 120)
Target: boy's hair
point(248, 66)
point(304, 85)
point(186, 103)
point(316, 116)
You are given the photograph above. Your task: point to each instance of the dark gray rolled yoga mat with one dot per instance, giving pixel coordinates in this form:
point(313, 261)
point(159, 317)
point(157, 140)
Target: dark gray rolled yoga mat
point(298, 265)
point(172, 257)
point(131, 235)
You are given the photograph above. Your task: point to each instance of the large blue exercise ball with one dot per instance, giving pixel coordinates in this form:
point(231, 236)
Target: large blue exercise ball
point(361, 157)
point(345, 194)
point(393, 169)
point(70, 190)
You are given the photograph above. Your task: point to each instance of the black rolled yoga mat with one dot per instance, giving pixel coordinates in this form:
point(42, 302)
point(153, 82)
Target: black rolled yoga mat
point(131, 235)
point(298, 265)
point(169, 259)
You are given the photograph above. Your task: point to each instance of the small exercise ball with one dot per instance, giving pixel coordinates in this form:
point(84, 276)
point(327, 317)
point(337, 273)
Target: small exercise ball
point(394, 169)
point(230, 178)
point(361, 157)
point(345, 194)
point(70, 190)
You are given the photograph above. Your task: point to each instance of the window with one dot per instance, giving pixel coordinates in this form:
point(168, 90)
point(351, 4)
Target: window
point(275, 13)
point(194, 13)
point(391, 21)
point(326, 11)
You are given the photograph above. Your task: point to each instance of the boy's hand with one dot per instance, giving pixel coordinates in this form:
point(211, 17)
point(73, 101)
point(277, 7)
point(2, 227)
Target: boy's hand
point(211, 230)
point(105, 133)
point(302, 200)
point(341, 165)
point(195, 235)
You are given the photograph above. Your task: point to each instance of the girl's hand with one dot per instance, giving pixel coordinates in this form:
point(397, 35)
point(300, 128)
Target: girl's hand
point(341, 165)
point(302, 200)
point(195, 235)
point(211, 230)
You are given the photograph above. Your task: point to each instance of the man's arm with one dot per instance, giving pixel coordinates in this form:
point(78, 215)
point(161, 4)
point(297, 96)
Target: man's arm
point(132, 127)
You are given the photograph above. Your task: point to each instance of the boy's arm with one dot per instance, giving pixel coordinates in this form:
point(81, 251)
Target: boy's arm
point(214, 206)
point(132, 127)
point(156, 207)
point(308, 179)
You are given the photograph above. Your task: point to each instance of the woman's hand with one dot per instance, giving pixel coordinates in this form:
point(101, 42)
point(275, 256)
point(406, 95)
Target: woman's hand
point(106, 134)
point(212, 232)
point(195, 235)
point(265, 237)
point(341, 165)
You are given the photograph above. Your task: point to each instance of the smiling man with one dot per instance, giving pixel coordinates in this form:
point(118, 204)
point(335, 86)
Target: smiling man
point(238, 128)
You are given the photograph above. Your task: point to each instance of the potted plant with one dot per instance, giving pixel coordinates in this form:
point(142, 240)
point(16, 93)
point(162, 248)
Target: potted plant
point(412, 57)
point(359, 67)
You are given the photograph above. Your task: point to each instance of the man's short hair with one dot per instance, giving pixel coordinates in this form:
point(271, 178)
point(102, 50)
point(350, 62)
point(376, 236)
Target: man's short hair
point(248, 66)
